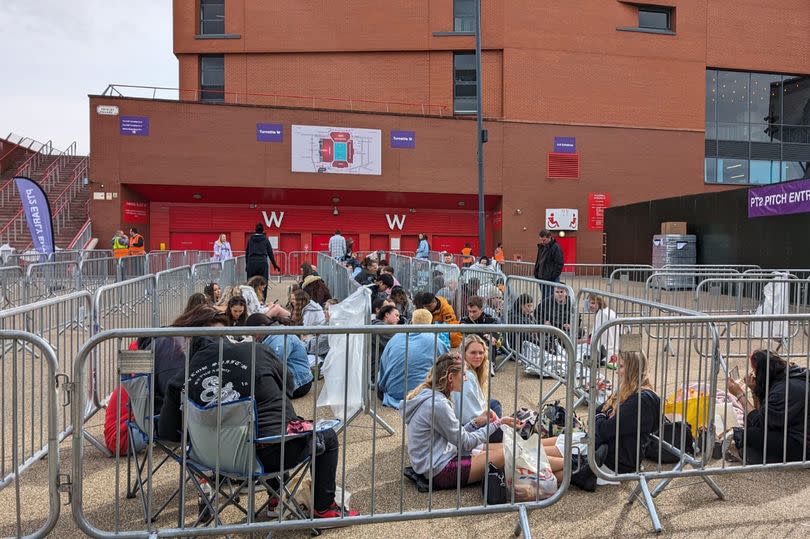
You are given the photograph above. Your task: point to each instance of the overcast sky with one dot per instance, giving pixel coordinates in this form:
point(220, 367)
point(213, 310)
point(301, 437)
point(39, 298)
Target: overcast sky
point(53, 53)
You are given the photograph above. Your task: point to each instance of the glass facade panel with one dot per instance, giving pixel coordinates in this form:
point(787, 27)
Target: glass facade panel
point(464, 89)
point(212, 77)
point(710, 169)
point(764, 172)
point(212, 17)
point(753, 120)
point(732, 171)
point(654, 18)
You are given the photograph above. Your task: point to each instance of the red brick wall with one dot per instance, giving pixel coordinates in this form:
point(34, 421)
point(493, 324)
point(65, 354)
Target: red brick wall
point(195, 144)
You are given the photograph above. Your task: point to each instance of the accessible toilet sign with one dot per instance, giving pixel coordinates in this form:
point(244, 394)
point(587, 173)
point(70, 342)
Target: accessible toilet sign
point(779, 199)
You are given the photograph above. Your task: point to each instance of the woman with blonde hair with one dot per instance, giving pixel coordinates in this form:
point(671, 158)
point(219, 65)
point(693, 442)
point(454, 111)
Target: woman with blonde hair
point(438, 445)
point(471, 401)
point(225, 296)
point(609, 340)
point(222, 249)
point(623, 424)
point(254, 293)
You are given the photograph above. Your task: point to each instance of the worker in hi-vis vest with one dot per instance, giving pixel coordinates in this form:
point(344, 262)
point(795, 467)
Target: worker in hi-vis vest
point(120, 244)
point(136, 243)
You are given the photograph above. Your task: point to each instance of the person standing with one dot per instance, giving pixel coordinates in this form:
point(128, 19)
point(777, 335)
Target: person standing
point(498, 255)
point(120, 244)
point(337, 246)
point(467, 258)
point(423, 249)
point(257, 252)
point(549, 263)
point(222, 249)
point(136, 243)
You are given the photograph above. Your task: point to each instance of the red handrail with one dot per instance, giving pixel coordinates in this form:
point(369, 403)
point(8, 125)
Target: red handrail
point(115, 88)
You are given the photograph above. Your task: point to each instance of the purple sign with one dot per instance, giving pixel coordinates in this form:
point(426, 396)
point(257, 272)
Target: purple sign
point(565, 145)
point(37, 213)
point(269, 133)
point(403, 139)
point(779, 199)
point(137, 126)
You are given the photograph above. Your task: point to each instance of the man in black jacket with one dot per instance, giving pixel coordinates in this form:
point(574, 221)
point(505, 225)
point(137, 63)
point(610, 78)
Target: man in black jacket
point(257, 251)
point(549, 263)
point(205, 388)
point(476, 315)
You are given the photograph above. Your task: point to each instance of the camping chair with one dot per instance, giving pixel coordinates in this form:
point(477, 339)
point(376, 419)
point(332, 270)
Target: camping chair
point(221, 441)
point(135, 370)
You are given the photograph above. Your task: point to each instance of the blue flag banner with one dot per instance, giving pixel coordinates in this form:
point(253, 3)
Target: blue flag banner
point(37, 213)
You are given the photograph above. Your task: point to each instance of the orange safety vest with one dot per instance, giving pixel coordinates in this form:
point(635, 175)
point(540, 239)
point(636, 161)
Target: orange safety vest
point(133, 250)
point(499, 255)
point(119, 249)
point(466, 256)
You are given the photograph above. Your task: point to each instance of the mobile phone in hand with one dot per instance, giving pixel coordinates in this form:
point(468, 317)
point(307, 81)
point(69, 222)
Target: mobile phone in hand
point(735, 373)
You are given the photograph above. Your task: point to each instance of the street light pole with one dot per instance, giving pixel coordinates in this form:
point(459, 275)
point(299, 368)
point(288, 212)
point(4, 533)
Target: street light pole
point(480, 134)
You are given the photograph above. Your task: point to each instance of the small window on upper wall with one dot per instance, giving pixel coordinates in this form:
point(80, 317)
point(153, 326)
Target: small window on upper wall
point(655, 18)
point(212, 17)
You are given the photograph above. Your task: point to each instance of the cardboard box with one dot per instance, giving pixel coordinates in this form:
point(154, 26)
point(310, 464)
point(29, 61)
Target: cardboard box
point(674, 227)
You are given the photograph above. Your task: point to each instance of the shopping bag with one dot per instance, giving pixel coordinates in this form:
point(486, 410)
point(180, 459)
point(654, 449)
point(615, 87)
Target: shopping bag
point(527, 468)
point(696, 408)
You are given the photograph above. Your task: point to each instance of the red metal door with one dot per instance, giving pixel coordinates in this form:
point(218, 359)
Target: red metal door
point(192, 241)
point(379, 242)
point(569, 249)
point(454, 244)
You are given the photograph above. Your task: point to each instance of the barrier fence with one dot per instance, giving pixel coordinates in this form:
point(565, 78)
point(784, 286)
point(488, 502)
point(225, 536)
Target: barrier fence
point(227, 466)
point(690, 353)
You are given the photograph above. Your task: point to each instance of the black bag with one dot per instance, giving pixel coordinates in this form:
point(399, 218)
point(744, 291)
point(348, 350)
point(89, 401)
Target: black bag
point(494, 488)
point(672, 433)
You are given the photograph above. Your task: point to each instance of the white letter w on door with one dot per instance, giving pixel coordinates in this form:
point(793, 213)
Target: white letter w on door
point(395, 221)
point(274, 219)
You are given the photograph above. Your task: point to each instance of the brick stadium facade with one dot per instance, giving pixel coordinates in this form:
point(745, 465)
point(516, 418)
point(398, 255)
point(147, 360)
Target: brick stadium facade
point(633, 100)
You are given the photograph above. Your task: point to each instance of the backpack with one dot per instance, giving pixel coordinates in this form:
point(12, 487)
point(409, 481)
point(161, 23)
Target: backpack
point(671, 433)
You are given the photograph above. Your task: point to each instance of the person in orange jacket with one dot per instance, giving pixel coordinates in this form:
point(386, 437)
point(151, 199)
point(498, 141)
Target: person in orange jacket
point(498, 255)
point(137, 246)
point(442, 312)
point(467, 258)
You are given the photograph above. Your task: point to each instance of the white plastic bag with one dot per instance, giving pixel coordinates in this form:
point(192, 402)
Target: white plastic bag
point(776, 301)
point(338, 372)
point(533, 478)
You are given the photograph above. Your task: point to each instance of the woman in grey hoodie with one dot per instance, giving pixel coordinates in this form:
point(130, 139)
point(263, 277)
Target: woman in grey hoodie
point(429, 415)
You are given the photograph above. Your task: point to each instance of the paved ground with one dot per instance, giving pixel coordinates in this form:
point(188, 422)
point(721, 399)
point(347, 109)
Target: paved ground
point(774, 504)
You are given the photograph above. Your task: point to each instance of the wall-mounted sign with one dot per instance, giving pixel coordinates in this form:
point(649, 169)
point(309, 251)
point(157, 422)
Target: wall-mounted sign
point(779, 199)
point(273, 220)
point(107, 110)
point(269, 133)
point(562, 219)
point(136, 212)
point(137, 126)
point(336, 150)
point(565, 145)
point(403, 139)
point(395, 221)
point(597, 202)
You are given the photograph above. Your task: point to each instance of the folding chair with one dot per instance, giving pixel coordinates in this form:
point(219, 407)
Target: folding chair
point(220, 438)
point(135, 370)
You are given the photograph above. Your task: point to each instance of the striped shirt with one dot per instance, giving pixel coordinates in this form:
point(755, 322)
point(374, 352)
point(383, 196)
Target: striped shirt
point(337, 246)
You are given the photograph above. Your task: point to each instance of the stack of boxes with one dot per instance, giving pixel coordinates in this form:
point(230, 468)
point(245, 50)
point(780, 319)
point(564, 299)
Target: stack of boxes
point(674, 247)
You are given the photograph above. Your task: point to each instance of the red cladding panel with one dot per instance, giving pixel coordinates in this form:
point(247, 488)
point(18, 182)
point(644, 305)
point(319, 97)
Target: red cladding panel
point(563, 166)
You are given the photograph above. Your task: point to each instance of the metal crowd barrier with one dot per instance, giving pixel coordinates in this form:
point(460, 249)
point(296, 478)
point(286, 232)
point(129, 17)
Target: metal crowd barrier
point(631, 281)
point(29, 430)
point(379, 475)
point(132, 267)
point(51, 279)
point(173, 287)
point(336, 276)
point(12, 286)
point(157, 261)
point(205, 273)
point(296, 258)
point(97, 272)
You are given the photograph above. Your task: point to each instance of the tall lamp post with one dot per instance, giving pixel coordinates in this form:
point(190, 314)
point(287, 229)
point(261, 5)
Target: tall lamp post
point(481, 134)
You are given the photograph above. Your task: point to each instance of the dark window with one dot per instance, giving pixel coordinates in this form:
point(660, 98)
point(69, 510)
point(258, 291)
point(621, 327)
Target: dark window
point(212, 77)
point(212, 17)
point(464, 86)
point(757, 127)
point(655, 18)
point(464, 15)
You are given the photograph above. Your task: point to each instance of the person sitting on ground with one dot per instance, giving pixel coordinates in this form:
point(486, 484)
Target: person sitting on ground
point(470, 286)
point(609, 341)
point(225, 297)
point(213, 292)
point(471, 401)
point(557, 311)
point(441, 311)
point(236, 311)
point(305, 312)
point(317, 289)
point(197, 298)
point(289, 347)
point(377, 304)
point(390, 271)
point(522, 312)
point(422, 349)
point(483, 264)
point(403, 304)
point(387, 315)
point(440, 446)
point(452, 294)
point(476, 315)
point(634, 407)
point(779, 412)
point(368, 272)
point(318, 346)
point(382, 286)
point(307, 269)
point(274, 409)
point(254, 293)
